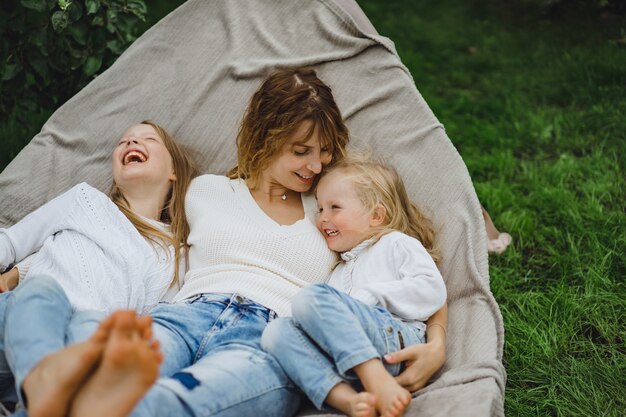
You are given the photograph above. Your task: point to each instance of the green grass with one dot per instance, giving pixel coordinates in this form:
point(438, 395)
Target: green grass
point(536, 107)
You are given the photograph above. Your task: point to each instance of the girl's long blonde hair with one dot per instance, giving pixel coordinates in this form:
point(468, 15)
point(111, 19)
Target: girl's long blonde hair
point(285, 100)
point(378, 184)
point(173, 211)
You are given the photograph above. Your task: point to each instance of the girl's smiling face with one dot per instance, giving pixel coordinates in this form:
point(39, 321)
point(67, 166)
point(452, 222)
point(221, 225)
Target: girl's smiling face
point(343, 219)
point(140, 155)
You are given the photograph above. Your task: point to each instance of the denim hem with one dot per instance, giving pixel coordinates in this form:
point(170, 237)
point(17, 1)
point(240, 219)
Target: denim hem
point(356, 358)
point(322, 392)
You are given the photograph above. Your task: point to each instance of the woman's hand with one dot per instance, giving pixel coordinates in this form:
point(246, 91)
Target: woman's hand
point(9, 280)
point(423, 360)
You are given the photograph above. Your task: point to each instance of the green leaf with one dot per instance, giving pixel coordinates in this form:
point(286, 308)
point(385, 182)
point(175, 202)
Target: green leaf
point(77, 61)
point(92, 65)
point(115, 46)
point(60, 21)
point(79, 33)
point(138, 8)
point(63, 4)
point(98, 21)
point(111, 20)
point(75, 11)
point(97, 40)
point(38, 5)
point(10, 71)
point(41, 68)
point(76, 52)
point(92, 6)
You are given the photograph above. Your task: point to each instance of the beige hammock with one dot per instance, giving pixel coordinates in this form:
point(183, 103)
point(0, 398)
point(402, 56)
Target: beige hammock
point(194, 73)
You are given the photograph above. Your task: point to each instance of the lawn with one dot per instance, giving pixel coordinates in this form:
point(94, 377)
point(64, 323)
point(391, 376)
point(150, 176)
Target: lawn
point(536, 106)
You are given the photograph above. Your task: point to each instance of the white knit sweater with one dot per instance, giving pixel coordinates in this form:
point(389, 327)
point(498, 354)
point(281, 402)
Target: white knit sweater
point(237, 248)
point(87, 244)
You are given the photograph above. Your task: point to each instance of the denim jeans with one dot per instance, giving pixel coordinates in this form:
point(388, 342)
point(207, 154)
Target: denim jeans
point(214, 364)
point(39, 320)
point(7, 383)
point(330, 333)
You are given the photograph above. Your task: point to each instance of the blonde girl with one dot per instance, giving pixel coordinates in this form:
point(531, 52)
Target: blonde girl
point(377, 300)
point(97, 254)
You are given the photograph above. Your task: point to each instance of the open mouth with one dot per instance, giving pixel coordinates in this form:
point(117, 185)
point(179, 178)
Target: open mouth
point(331, 232)
point(305, 178)
point(134, 156)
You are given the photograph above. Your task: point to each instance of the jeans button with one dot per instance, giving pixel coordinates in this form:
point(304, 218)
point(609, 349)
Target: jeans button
point(239, 299)
point(390, 329)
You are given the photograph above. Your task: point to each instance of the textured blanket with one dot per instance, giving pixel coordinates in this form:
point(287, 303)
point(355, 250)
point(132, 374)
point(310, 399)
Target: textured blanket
point(194, 73)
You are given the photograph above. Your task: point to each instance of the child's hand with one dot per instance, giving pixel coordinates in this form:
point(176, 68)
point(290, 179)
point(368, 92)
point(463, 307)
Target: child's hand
point(9, 280)
point(422, 361)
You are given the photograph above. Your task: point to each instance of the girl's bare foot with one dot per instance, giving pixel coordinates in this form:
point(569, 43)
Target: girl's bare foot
point(52, 383)
point(129, 366)
point(344, 398)
point(391, 397)
point(363, 404)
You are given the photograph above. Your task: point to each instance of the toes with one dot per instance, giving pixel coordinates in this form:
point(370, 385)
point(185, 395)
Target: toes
point(144, 326)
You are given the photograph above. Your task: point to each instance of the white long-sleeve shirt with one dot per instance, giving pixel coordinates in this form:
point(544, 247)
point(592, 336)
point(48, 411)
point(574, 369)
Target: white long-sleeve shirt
point(237, 248)
point(396, 272)
point(95, 253)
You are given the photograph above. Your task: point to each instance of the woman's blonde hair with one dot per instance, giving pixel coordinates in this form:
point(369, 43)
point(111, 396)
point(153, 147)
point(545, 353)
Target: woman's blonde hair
point(378, 184)
point(276, 110)
point(173, 211)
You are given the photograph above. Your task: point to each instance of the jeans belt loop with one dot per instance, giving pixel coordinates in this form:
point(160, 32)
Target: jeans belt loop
point(401, 339)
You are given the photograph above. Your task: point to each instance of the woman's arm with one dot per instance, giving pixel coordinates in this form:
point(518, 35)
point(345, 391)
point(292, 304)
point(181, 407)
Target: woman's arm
point(422, 361)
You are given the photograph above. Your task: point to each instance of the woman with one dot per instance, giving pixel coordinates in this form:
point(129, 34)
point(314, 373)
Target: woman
point(253, 245)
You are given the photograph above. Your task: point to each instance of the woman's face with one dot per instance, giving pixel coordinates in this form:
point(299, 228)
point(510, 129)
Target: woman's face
point(299, 161)
point(141, 157)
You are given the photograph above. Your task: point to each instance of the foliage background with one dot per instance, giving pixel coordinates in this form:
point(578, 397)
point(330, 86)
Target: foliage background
point(533, 95)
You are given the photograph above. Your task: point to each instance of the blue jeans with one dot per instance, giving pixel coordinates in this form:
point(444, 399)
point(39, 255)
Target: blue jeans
point(39, 320)
point(214, 364)
point(330, 333)
point(7, 383)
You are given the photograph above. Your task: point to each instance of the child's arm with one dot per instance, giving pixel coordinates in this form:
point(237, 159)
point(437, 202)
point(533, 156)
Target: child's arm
point(408, 283)
point(29, 234)
point(423, 360)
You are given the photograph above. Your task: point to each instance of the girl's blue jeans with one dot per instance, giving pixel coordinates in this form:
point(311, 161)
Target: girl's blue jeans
point(38, 320)
point(329, 334)
point(213, 362)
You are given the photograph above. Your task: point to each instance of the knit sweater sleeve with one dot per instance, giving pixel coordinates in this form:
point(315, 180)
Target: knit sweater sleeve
point(24, 265)
point(418, 289)
point(29, 234)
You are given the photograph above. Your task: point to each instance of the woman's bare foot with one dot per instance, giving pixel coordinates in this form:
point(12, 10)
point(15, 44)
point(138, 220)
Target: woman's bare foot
point(129, 366)
point(391, 397)
point(496, 242)
point(363, 404)
point(52, 383)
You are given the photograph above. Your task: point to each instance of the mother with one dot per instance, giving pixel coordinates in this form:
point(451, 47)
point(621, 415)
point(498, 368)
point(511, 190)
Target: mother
point(253, 245)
